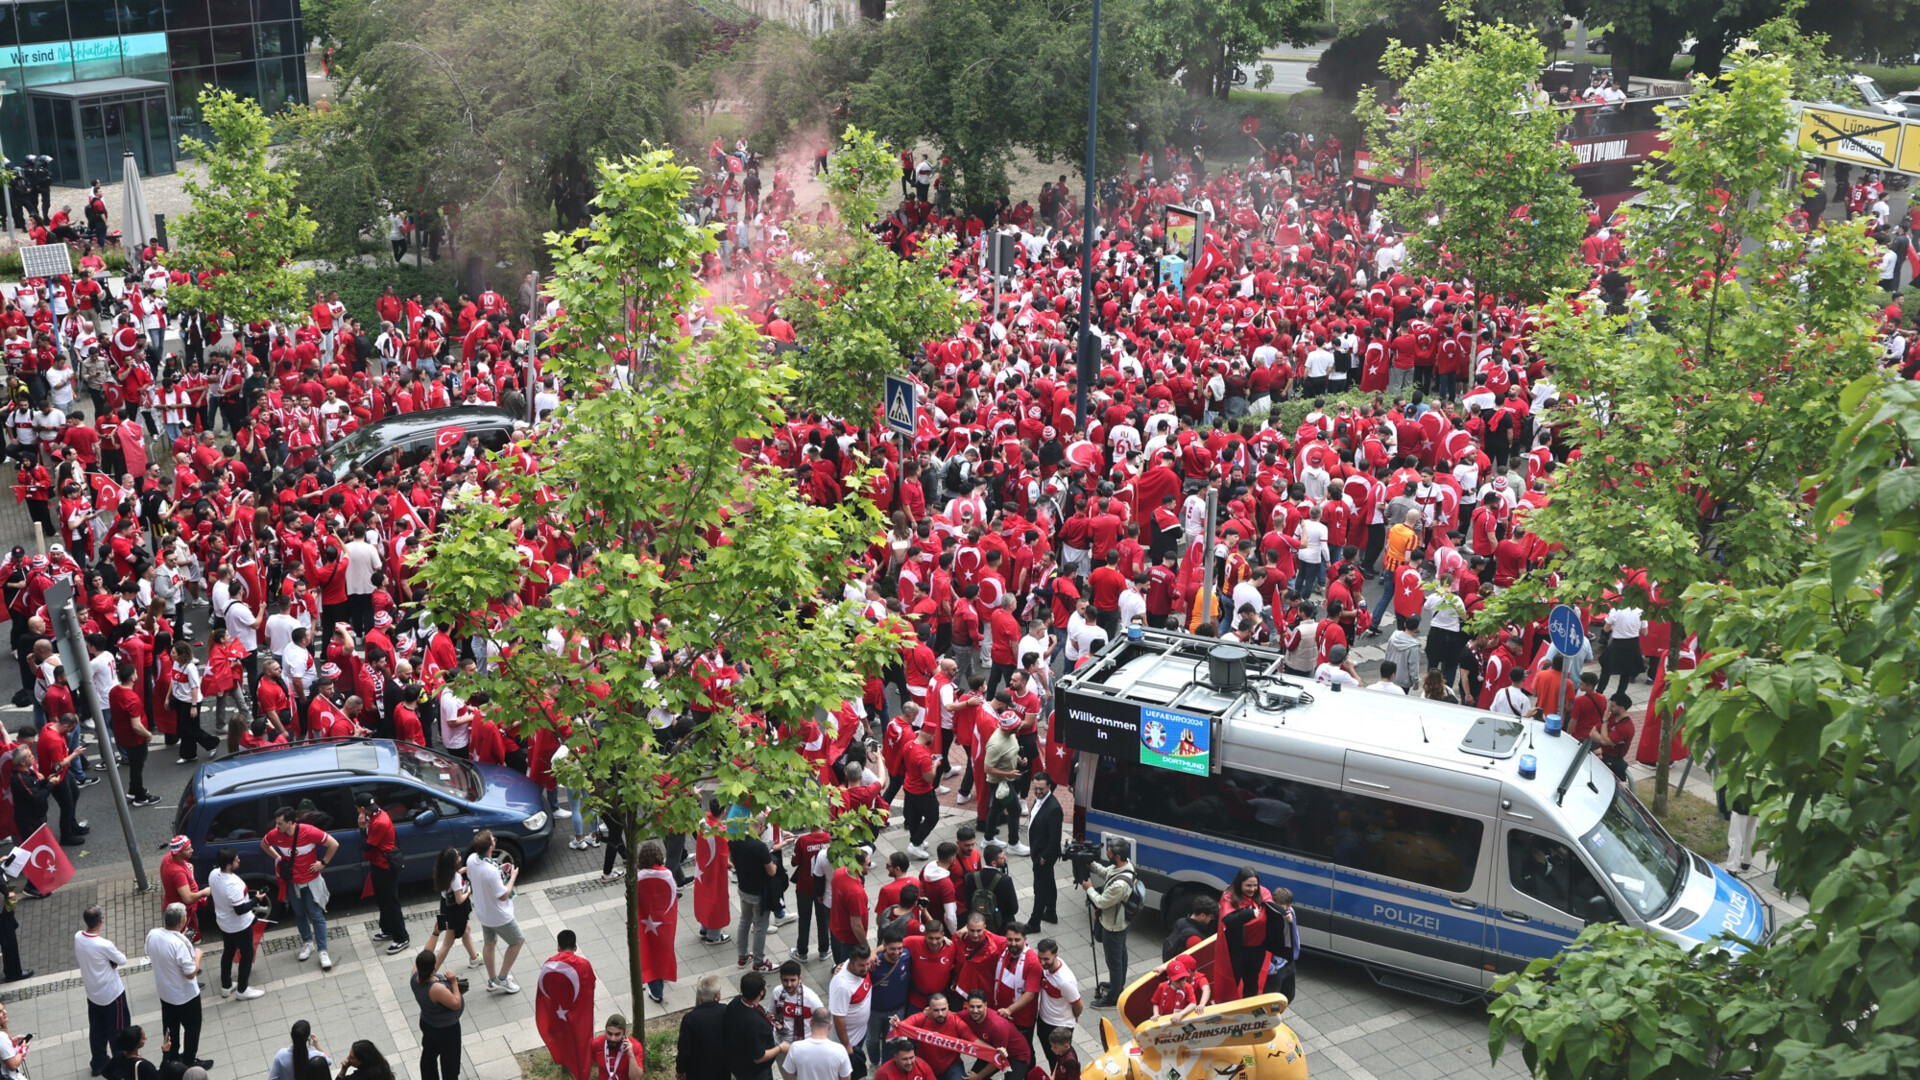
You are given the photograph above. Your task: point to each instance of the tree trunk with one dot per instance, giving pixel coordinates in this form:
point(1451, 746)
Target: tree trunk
point(1710, 53)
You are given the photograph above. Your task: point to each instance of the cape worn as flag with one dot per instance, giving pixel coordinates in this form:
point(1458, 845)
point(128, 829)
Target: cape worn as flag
point(711, 893)
point(659, 904)
point(563, 1011)
point(1203, 267)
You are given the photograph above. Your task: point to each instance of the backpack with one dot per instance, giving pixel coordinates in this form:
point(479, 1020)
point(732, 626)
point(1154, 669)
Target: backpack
point(982, 900)
point(1136, 897)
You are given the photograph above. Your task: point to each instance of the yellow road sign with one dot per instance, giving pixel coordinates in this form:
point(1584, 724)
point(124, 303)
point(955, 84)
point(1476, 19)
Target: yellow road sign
point(1869, 139)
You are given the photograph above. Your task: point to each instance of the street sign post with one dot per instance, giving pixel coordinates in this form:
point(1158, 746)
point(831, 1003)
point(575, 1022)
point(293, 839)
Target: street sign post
point(902, 401)
point(1568, 633)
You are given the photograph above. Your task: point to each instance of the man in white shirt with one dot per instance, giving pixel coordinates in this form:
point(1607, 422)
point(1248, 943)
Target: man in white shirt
point(176, 975)
point(1312, 555)
point(280, 628)
point(850, 1002)
point(298, 662)
point(1133, 603)
point(1623, 651)
point(1338, 670)
point(1386, 685)
point(1060, 1001)
point(100, 963)
point(363, 558)
point(1318, 366)
point(492, 892)
point(818, 1057)
point(455, 728)
point(243, 627)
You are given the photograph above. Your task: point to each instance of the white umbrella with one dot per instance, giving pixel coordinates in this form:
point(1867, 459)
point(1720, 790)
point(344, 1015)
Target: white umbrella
point(136, 227)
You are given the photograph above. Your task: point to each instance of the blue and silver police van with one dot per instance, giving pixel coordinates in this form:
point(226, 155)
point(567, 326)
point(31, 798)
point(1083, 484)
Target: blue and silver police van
point(1439, 845)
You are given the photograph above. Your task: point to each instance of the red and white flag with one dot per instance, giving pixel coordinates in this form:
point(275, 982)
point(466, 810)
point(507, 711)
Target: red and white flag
point(106, 491)
point(563, 1011)
point(711, 899)
point(1203, 267)
point(659, 903)
point(449, 436)
point(41, 861)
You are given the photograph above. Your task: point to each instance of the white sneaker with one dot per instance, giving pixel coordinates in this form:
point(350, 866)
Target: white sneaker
point(797, 955)
point(251, 992)
point(507, 984)
point(942, 789)
point(326, 962)
point(306, 950)
point(577, 844)
point(475, 961)
point(562, 814)
point(916, 852)
point(782, 920)
point(226, 991)
point(1020, 849)
point(964, 799)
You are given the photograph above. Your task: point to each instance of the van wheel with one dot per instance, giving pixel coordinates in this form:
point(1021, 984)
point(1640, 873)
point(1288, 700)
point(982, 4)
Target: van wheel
point(1179, 903)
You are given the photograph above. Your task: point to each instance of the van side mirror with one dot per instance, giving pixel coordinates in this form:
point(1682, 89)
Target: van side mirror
point(1599, 909)
point(425, 818)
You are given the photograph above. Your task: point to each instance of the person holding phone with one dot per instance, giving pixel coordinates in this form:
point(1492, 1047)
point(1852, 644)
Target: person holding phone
point(441, 1006)
point(233, 912)
point(614, 1056)
point(13, 1048)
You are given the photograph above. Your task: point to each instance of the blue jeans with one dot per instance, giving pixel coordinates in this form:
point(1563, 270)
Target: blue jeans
point(577, 802)
point(79, 763)
point(1449, 386)
point(1059, 644)
point(1309, 577)
point(308, 915)
point(1386, 597)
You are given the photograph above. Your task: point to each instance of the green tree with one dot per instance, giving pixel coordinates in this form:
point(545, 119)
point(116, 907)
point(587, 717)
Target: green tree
point(859, 310)
point(677, 538)
point(1699, 414)
point(982, 79)
point(1207, 40)
point(1490, 179)
point(246, 226)
point(497, 111)
point(1808, 700)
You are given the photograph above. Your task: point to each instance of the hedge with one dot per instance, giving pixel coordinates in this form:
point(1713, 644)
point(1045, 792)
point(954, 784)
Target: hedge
point(360, 286)
point(1294, 410)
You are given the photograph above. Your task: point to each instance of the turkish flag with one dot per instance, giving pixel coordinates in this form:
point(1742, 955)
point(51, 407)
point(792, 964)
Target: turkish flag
point(563, 1011)
point(449, 436)
point(1287, 236)
point(41, 861)
point(1203, 266)
point(659, 918)
point(711, 896)
point(108, 492)
point(1408, 596)
point(1250, 126)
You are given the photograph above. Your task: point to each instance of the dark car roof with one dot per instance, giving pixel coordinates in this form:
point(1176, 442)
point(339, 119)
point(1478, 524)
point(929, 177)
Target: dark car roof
point(394, 430)
point(262, 769)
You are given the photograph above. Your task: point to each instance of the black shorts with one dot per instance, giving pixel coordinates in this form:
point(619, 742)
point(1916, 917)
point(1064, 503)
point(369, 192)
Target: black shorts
point(453, 920)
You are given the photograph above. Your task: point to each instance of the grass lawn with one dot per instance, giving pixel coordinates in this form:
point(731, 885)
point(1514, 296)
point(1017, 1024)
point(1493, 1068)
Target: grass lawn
point(1692, 820)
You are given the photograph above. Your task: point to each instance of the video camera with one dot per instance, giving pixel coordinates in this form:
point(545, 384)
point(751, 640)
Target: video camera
point(1083, 855)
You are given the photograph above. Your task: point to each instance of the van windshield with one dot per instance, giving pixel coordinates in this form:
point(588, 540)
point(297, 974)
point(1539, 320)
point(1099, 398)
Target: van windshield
point(1636, 854)
point(444, 774)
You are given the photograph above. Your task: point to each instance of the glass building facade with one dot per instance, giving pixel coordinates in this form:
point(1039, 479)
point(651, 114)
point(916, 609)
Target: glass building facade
point(88, 80)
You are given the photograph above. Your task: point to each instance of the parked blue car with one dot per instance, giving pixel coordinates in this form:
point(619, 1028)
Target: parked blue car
point(435, 801)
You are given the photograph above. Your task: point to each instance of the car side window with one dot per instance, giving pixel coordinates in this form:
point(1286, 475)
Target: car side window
point(448, 809)
point(237, 821)
point(401, 802)
point(330, 809)
point(494, 438)
point(1550, 872)
point(414, 452)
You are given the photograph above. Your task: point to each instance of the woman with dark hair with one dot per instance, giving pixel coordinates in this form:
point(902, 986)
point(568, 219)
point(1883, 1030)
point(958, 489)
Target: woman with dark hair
point(456, 906)
point(365, 1062)
point(440, 1008)
point(293, 1059)
point(233, 912)
point(127, 1063)
point(1240, 956)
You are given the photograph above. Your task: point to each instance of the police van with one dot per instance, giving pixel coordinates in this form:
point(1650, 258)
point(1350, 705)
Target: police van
point(1439, 845)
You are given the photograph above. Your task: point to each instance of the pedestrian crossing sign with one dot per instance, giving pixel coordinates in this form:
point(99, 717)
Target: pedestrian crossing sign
point(902, 399)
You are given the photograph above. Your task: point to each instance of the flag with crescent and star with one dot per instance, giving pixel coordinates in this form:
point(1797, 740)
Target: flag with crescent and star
point(40, 860)
point(659, 903)
point(711, 902)
point(563, 1011)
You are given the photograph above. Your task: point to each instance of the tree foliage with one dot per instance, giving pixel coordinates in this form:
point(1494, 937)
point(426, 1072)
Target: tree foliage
point(980, 79)
point(246, 226)
point(1206, 41)
point(1698, 414)
point(1489, 195)
point(679, 538)
point(1808, 700)
point(497, 111)
point(859, 310)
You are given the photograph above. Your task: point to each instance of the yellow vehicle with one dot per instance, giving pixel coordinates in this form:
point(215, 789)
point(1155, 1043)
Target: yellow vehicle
point(1234, 1040)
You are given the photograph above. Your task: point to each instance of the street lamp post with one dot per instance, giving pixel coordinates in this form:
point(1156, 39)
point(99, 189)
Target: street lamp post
point(1086, 366)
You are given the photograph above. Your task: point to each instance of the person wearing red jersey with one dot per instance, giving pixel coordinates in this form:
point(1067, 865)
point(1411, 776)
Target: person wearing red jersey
point(301, 852)
point(935, 957)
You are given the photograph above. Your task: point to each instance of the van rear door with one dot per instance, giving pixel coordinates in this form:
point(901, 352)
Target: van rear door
point(1412, 847)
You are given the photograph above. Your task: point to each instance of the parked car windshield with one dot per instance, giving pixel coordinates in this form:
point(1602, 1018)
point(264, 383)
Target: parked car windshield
point(444, 774)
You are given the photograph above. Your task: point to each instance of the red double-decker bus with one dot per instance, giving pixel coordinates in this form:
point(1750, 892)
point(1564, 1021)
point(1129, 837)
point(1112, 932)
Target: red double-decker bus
point(1609, 145)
